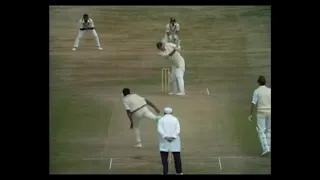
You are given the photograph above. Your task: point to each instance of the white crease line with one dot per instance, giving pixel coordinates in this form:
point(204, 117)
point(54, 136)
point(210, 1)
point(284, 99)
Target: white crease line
point(220, 163)
point(187, 157)
point(92, 159)
point(208, 92)
point(110, 164)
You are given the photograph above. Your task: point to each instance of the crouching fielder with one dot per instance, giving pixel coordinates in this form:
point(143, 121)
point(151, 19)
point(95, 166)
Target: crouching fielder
point(171, 51)
point(262, 99)
point(136, 107)
point(172, 32)
point(86, 25)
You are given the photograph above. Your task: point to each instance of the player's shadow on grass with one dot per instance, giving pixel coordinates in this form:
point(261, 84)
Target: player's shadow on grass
point(137, 157)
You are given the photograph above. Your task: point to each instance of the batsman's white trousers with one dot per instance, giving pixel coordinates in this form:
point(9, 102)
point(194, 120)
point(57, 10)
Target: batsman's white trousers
point(177, 81)
point(143, 113)
point(264, 130)
point(81, 33)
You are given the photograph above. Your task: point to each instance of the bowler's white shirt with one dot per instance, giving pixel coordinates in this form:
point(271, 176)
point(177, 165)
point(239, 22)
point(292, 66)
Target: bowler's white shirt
point(172, 29)
point(169, 126)
point(82, 24)
point(133, 101)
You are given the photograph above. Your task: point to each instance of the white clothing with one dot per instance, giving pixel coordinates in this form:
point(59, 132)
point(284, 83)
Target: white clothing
point(94, 33)
point(169, 126)
point(143, 113)
point(264, 130)
point(172, 30)
point(177, 81)
point(82, 24)
point(133, 102)
point(167, 110)
point(176, 58)
point(177, 69)
point(262, 98)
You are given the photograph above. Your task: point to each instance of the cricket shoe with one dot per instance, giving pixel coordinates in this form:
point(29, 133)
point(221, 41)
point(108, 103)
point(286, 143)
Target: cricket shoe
point(171, 93)
point(100, 48)
point(265, 152)
point(74, 49)
point(181, 94)
point(139, 145)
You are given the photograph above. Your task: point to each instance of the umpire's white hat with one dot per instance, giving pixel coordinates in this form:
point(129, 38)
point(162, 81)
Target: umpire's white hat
point(167, 110)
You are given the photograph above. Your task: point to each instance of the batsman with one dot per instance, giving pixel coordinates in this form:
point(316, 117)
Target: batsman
point(171, 51)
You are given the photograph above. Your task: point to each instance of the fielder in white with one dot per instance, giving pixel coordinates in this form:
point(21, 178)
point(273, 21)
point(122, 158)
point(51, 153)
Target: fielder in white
point(171, 51)
point(262, 99)
point(86, 25)
point(172, 32)
point(137, 109)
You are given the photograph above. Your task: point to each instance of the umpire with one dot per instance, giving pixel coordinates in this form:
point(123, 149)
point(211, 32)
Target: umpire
point(169, 140)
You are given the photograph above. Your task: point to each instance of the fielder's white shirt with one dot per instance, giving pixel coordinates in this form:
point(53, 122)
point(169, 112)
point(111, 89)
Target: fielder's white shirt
point(82, 24)
point(133, 101)
point(169, 126)
point(172, 30)
point(262, 98)
point(177, 59)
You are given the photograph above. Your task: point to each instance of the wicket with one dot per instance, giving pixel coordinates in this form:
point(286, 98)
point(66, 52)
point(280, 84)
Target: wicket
point(165, 80)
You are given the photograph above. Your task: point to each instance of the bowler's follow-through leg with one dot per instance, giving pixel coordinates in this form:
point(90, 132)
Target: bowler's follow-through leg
point(142, 114)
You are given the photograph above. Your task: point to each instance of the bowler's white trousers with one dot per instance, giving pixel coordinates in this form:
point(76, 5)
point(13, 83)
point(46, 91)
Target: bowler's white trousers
point(264, 130)
point(81, 33)
point(143, 113)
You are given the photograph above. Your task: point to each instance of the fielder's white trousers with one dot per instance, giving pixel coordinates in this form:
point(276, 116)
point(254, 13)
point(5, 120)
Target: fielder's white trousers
point(177, 81)
point(81, 33)
point(143, 113)
point(264, 130)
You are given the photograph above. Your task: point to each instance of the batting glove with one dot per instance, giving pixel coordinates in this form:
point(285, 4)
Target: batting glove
point(179, 48)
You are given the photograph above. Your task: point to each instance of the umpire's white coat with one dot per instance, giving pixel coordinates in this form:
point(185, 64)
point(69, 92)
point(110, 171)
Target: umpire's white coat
point(169, 126)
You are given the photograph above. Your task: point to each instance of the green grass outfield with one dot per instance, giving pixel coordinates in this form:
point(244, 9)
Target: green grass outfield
point(225, 48)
